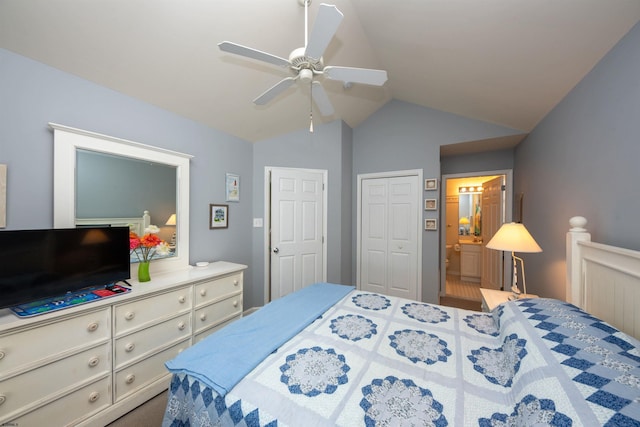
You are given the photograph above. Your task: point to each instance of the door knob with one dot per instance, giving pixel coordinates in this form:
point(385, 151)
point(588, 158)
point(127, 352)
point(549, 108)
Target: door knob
point(276, 250)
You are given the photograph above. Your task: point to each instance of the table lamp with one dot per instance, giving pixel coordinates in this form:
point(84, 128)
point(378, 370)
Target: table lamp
point(172, 221)
point(514, 237)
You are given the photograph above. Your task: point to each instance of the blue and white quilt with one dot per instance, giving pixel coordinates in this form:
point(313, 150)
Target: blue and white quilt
point(375, 360)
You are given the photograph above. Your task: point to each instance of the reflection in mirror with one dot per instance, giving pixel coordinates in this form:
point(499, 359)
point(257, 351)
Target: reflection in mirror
point(169, 187)
point(470, 215)
point(116, 187)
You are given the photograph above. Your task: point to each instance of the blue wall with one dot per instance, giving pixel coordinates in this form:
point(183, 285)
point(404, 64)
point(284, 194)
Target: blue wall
point(584, 159)
point(327, 148)
point(403, 136)
point(581, 159)
point(33, 94)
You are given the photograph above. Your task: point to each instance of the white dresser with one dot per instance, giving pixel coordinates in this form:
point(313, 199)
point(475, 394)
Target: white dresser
point(90, 364)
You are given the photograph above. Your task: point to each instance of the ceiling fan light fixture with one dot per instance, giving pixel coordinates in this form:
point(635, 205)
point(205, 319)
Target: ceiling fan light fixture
point(306, 75)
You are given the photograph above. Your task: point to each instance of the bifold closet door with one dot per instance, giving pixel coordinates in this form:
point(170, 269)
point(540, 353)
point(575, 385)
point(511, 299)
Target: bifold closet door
point(389, 236)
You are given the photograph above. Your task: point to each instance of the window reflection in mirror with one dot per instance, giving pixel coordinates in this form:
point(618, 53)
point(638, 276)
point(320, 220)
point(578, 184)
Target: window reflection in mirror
point(111, 186)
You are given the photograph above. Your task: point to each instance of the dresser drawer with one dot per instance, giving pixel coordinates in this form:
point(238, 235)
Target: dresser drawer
point(139, 344)
point(130, 379)
point(218, 312)
point(52, 340)
point(48, 380)
point(217, 289)
point(137, 314)
point(70, 409)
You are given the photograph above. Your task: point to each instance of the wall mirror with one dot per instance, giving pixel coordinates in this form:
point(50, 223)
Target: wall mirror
point(144, 183)
point(469, 215)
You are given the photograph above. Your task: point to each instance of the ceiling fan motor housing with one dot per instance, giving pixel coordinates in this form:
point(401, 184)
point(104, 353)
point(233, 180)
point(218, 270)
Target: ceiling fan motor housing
point(301, 62)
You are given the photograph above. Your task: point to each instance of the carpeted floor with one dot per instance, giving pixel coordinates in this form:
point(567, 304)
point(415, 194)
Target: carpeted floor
point(149, 414)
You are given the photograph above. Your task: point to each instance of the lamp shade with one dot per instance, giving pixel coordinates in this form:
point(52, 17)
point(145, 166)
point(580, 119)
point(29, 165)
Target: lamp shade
point(171, 220)
point(464, 221)
point(513, 237)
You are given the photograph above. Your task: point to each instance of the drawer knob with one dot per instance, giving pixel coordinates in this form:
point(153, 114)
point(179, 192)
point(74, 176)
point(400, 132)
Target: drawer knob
point(182, 299)
point(235, 303)
point(2, 354)
point(181, 326)
point(203, 292)
point(92, 327)
point(94, 361)
point(130, 378)
point(129, 315)
point(129, 347)
point(3, 399)
point(93, 397)
point(203, 317)
point(235, 282)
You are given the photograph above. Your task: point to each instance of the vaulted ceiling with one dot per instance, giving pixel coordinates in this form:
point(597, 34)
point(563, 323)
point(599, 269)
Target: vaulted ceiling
point(507, 62)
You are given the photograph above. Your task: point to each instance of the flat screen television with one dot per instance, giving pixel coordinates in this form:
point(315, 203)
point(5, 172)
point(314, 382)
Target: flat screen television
point(39, 264)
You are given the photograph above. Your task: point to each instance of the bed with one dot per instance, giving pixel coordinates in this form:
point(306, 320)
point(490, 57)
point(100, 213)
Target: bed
point(135, 224)
point(333, 355)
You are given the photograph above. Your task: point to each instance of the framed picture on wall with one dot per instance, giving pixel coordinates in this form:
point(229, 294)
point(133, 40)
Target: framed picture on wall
point(218, 216)
point(430, 224)
point(430, 184)
point(430, 204)
point(232, 187)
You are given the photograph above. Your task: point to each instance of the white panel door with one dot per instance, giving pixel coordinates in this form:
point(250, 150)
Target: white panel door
point(492, 219)
point(296, 230)
point(389, 236)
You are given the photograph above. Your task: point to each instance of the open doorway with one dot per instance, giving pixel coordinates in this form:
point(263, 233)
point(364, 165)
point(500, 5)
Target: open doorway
point(474, 206)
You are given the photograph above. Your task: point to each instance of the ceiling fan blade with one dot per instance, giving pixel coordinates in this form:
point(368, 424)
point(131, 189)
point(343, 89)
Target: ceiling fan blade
point(324, 28)
point(249, 52)
point(356, 75)
point(321, 99)
point(274, 91)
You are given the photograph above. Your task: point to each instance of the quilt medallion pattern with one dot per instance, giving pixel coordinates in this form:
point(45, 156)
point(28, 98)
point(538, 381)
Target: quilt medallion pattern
point(312, 371)
point(375, 360)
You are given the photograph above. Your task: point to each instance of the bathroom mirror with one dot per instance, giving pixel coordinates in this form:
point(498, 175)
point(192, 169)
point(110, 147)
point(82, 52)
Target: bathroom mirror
point(469, 214)
point(172, 192)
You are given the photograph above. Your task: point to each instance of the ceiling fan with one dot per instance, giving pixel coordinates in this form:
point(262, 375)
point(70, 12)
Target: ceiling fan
point(306, 62)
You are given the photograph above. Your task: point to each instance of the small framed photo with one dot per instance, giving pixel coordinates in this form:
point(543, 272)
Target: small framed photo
point(430, 204)
point(430, 184)
point(218, 216)
point(430, 224)
point(232, 187)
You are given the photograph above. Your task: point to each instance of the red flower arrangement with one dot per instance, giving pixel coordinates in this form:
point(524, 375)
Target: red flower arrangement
point(149, 245)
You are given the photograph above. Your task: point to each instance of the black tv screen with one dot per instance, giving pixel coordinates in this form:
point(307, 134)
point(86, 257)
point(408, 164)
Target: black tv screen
point(38, 264)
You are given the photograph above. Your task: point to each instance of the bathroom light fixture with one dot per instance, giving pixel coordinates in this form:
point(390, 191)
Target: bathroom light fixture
point(514, 237)
point(470, 190)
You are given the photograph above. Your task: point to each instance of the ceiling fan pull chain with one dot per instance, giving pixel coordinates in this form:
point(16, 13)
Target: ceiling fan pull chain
point(311, 106)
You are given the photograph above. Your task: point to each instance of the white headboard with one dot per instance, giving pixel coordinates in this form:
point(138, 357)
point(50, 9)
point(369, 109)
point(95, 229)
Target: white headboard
point(603, 280)
point(135, 224)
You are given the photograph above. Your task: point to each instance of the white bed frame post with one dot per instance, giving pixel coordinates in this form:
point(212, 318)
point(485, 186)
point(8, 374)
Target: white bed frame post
point(577, 233)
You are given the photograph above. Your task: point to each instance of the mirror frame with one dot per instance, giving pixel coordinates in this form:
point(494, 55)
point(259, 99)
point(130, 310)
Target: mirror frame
point(67, 140)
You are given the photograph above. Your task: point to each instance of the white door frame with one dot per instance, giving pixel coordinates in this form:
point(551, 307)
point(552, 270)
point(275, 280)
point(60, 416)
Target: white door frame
point(392, 174)
point(267, 223)
point(508, 207)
